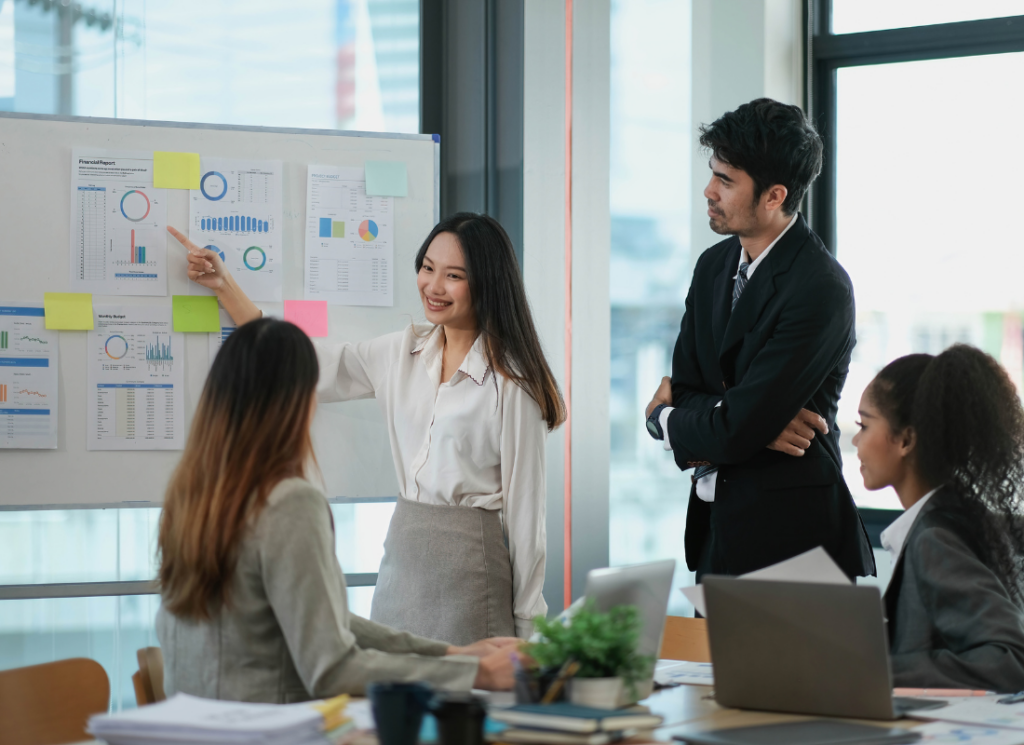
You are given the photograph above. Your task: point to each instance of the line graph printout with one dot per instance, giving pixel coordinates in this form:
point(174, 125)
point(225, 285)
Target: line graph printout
point(28, 378)
point(237, 212)
point(135, 380)
point(118, 224)
point(349, 239)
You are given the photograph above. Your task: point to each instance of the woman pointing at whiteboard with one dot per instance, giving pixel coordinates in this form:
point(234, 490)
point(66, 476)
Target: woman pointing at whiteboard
point(469, 400)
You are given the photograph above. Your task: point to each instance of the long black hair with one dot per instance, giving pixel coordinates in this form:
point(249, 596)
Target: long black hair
point(969, 429)
point(502, 312)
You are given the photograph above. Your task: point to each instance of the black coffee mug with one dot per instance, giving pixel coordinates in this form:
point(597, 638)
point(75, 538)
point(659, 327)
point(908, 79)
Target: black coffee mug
point(398, 711)
point(460, 718)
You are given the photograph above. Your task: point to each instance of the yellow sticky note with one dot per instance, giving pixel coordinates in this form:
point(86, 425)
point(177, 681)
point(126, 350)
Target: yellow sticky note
point(68, 311)
point(175, 170)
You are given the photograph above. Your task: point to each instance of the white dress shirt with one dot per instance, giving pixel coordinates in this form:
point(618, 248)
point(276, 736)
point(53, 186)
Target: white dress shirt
point(896, 534)
point(476, 441)
point(706, 485)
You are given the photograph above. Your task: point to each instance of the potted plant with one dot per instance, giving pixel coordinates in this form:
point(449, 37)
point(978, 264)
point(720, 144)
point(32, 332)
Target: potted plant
point(603, 646)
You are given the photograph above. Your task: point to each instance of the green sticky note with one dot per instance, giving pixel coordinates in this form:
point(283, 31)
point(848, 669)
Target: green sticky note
point(386, 178)
point(68, 311)
point(195, 313)
point(175, 170)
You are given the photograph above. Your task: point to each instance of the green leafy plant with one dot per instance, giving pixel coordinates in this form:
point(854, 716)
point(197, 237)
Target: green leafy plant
point(604, 644)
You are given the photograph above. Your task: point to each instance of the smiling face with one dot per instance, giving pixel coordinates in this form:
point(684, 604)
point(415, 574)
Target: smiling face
point(444, 286)
point(884, 455)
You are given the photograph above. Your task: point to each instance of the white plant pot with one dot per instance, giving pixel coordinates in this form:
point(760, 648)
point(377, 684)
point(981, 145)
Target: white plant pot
point(600, 693)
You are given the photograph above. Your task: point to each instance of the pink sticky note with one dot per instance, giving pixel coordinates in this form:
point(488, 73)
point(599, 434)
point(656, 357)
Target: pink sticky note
point(308, 315)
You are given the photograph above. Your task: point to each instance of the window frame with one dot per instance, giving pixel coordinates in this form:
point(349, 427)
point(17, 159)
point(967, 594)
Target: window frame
point(828, 52)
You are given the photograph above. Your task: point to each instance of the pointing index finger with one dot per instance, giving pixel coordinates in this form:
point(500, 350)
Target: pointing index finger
point(183, 240)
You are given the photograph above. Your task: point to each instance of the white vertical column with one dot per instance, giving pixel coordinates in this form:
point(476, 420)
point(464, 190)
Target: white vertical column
point(544, 233)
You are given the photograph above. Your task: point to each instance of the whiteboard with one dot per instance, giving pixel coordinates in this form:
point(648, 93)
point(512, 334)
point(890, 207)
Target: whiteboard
point(35, 170)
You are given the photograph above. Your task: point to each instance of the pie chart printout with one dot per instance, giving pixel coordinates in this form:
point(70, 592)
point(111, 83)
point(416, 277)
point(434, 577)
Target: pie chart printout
point(135, 205)
point(368, 230)
point(212, 247)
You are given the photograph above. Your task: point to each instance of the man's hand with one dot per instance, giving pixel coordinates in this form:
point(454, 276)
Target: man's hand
point(485, 647)
point(797, 436)
point(662, 396)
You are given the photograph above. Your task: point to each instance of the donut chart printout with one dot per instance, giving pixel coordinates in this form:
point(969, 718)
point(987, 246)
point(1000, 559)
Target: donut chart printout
point(118, 224)
point(350, 252)
point(28, 378)
point(136, 379)
point(238, 212)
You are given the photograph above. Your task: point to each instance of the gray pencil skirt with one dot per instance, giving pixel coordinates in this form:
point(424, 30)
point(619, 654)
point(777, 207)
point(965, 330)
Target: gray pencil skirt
point(446, 574)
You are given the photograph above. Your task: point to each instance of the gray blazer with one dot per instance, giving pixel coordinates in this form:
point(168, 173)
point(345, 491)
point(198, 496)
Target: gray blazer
point(287, 634)
point(952, 623)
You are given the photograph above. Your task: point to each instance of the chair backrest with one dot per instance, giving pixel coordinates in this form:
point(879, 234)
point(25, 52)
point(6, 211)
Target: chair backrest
point(686, 639)
point(51, 703)
point(151, 676)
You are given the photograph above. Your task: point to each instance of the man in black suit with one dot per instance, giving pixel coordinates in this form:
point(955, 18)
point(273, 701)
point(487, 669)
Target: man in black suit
point(762, 355)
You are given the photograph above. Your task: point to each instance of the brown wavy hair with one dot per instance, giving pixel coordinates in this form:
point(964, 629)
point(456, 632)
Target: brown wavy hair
point(250, 432)
point(502, 312)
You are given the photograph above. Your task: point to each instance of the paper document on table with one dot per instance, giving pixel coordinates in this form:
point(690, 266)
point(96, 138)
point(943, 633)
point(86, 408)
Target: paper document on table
point(960, 733)
point(983, 710)
point(349, 239)
point(118, 224)
point(811, 566)
point(237, 212)
point(136, 380)
point(675, 672)
point(28, 378)
point(361, 713)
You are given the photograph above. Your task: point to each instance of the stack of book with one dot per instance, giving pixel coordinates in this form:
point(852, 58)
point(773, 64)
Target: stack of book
point(187, 719)
point(568, 724)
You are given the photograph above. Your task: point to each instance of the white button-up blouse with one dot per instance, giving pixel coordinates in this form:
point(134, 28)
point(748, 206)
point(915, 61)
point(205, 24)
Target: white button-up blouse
point(475, 441)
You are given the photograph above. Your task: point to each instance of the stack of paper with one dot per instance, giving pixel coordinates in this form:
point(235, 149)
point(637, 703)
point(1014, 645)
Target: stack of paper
point(675, 672)
point(187, 719)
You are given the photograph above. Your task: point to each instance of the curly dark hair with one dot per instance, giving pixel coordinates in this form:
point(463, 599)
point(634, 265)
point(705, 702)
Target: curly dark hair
point(774, 143)
point(969, 426)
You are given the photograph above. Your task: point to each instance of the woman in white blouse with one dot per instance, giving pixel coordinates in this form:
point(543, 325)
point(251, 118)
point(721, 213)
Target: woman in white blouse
point(468, 401)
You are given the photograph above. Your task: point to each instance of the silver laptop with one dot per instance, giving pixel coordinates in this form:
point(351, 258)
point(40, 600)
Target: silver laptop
point(802, 648)
point(647, 586)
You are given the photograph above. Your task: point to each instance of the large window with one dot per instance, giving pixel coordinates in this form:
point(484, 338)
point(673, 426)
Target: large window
point(921, 187)
point(651, 142)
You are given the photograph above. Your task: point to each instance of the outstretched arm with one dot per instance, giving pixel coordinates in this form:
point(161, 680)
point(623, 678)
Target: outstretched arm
point(206, 268)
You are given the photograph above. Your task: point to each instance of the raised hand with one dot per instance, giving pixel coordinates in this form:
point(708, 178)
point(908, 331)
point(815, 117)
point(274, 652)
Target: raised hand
point(204, 266)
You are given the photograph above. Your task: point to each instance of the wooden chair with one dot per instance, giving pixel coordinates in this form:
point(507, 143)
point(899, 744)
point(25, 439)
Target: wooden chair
point(685, 639)
point(149, 680)
point(51, 703)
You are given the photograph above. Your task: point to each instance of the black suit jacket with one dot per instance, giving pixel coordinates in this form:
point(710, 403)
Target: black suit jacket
point(786, 346)
point(952, 622)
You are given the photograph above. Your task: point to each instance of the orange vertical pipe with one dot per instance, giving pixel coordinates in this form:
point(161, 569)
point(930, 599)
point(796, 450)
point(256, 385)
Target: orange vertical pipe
point(567, 579)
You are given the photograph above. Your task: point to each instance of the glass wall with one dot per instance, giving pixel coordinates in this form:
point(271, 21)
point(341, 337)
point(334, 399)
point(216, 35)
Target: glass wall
point(852, 16)
point(347, 64)
point(651, 263)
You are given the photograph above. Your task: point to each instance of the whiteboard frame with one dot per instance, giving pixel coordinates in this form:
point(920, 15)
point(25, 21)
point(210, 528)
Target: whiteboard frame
point(86, 120)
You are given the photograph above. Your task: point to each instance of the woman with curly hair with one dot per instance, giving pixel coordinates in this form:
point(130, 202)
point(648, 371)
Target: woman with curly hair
point(947, 433)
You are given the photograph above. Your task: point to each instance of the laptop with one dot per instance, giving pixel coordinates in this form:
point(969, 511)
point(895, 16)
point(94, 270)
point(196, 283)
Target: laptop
point(647, 586)
point(802, 648)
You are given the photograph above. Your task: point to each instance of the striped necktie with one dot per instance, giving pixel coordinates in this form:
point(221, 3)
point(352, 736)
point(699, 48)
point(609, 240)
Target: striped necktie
point(737, 290)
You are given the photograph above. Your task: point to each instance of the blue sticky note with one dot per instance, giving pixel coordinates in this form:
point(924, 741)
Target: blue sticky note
point(386, 178)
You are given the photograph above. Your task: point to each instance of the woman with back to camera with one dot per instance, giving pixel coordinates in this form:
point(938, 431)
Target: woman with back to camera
point(253, 602)
point(947, 433)
point(468, 402)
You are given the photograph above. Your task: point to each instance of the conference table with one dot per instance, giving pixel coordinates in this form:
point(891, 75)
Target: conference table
point(692, 709)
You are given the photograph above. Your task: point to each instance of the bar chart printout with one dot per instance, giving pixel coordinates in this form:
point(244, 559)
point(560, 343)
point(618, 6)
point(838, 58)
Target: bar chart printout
point(135, 380)
point(28, 378)
point(349, 239)
point(118, 224)
point(237, 212)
